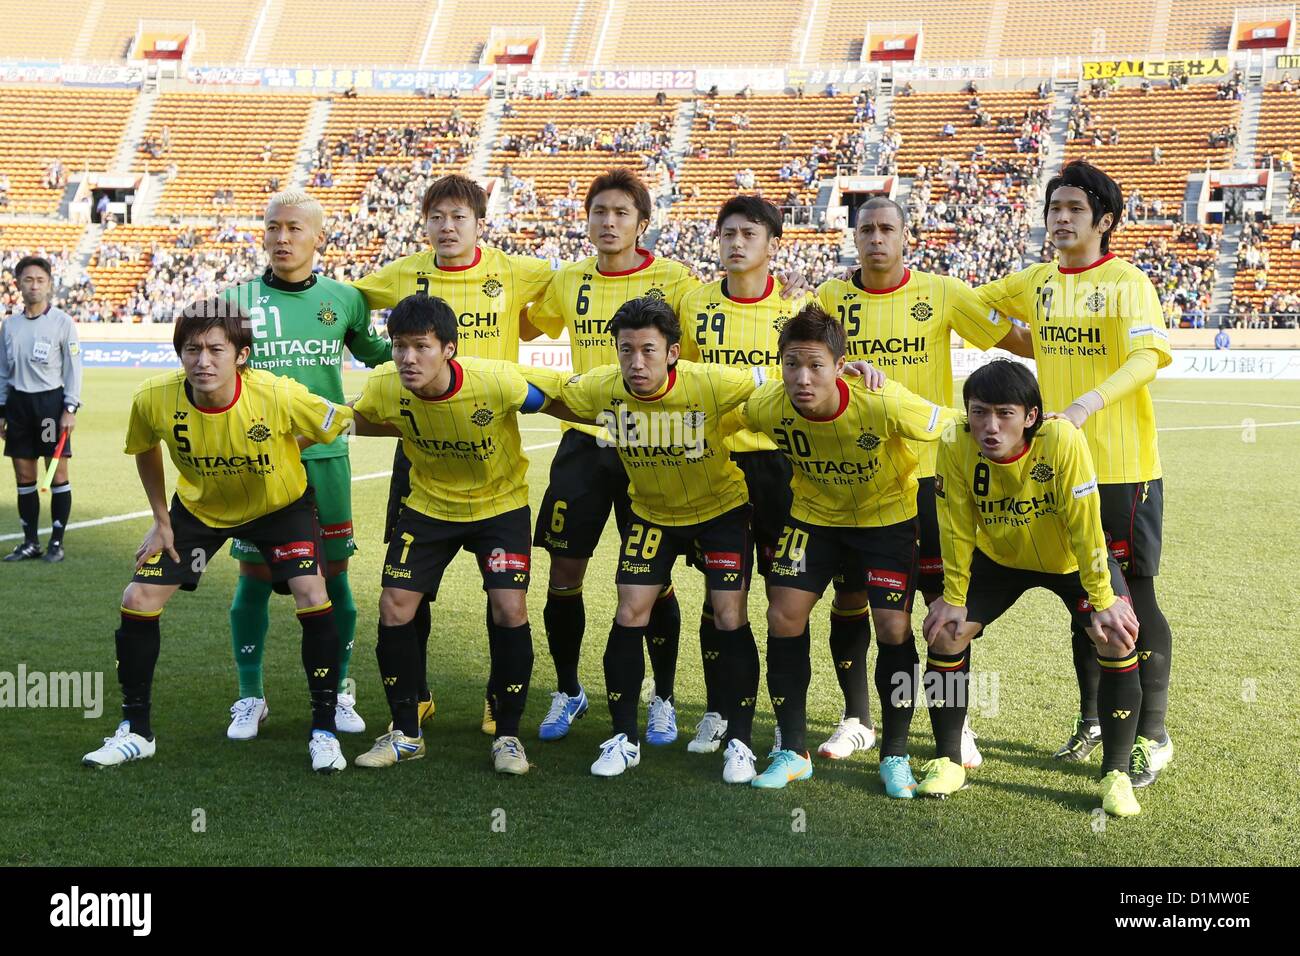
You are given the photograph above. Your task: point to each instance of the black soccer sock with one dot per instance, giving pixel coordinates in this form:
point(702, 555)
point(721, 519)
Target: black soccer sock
point(947, 684)
point(423, 624)
point(624, 671)
point(565, 618)
point(741, 670)
point(320, 659)
point(60, 511)
point(896, 685)
point(850, 639)
point(399, 660)
point(662, 640)
point(711, 657)
point(1154, 647)
point(1120, 698)
point(512, 668)
point(29, 511)
point(138, 639)
point(789, 672)
point(489, 689)
point(1085, 672)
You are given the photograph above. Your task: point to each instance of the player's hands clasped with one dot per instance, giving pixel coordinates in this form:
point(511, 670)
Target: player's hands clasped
point(1118, 626)
point(157, 540)
point(943, 619)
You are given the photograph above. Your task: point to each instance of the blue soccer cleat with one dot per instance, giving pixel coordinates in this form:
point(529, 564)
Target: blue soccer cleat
point(661, 725)
point(564, 711)
point(786, 767)
point(896, 774)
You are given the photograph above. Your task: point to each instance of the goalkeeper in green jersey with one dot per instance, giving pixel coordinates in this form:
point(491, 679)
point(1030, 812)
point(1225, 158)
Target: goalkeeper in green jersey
point(300, 323)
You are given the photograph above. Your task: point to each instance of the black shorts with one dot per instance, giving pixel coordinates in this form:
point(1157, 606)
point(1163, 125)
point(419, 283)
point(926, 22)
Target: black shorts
point(767, 475)
point(810, 556)
point(929, 579)
point(289, 541)
point(995, 587)
point(587, 480)
point(399, 486)
point(32, 424)
point(720, 547)
point(422, 547)
point(1133, 517)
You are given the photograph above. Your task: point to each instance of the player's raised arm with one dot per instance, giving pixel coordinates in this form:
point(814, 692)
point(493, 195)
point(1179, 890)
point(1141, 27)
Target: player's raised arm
point(911, 416)
point(316, 417)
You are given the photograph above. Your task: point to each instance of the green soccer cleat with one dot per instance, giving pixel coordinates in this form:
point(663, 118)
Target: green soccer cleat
point(1117, 795)
point(942, 779)
point(1149, 757)
point(1084, 739)
point(786, 767)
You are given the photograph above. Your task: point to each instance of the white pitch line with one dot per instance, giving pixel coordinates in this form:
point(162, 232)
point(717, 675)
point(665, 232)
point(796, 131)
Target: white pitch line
point(132, 515)
point(1237, 427)
point(1201, 401)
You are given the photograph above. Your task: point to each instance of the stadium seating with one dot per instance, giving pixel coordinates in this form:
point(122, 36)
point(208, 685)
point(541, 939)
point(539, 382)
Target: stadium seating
point(1080, 27)
point(350, 34)
point(1196, 25)
point(379, 113)
point(952, 31)
point(115, 284)
point(920, 119)
point(217, 141)
point(1283, 272)
point(1178, 121)
point(808, 121)
point(80, 128)
point(38, 237)
point(222, 27)
point(551, 174)
point(1279, 123)
point(464, 26)
point(720, 32)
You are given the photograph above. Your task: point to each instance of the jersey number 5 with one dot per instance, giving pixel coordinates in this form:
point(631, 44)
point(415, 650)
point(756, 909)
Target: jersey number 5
point(182, 440)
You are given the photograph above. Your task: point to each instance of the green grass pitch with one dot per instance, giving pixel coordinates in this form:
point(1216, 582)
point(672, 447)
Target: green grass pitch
point(1227, 586)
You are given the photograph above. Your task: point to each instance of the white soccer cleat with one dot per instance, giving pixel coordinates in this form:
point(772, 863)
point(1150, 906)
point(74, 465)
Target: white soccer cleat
point(122, 747)
point(346, 718)
point(709, 733)
point(326, 755)
point(508, 756)
point(849, 737)
point(970, 754)
point(246, 717)
point(616, 755)
point(738, 766)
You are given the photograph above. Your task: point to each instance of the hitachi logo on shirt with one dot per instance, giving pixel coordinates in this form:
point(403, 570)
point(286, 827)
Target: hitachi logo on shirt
point(724, 356)
point(221, 461)
point(272, 349)
point(75, 909)
point(890, 346)
point(1018, 506)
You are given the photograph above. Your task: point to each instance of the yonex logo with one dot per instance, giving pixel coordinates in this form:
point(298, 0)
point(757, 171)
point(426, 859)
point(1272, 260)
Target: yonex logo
point(711, 655)
point(658, 640)
point(843, 665)
point(1144, 654)
point(778, 701)
point(894, 596)
point(180, 416)
point(247, 648)
point(390, 681)
point(514, 688)
point(1121, 714)
point(321, 672)
point(746, 702)
point(614, 695)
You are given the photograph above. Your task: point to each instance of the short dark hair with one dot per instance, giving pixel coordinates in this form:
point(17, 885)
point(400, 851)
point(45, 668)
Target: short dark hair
point(883, 202)
point(812, 323)
point(643, 313)
point(214, 312)
point(754, 209)
point(1104, 194)
point(39, 261)
point(422, 314)
point(624, 180)
point(1004, 382)
point(459, 189)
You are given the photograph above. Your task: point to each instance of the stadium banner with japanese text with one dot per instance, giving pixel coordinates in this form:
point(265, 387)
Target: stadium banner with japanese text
point(104, 75)
point(760, 81)
point(642, 79)
point(941, 71)
point(541, 81)
point(223, 76)
point(1156, 69)
point(847, 75)
point(30, 72)
point(1273, 364)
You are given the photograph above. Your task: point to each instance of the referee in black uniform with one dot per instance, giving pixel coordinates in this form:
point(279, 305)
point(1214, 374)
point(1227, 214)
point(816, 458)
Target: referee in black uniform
point(40, 391)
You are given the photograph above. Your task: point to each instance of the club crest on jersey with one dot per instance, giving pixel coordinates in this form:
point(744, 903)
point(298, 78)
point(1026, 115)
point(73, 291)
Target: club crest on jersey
point(1096, 302)
point(693, 419)
point(1041, 472)
point(655, 292)
point(868, 441)
point(780, 322)
point(482, 417)
point(327, 315)
point(922, 311)
point(259, 432)
point(492, 287)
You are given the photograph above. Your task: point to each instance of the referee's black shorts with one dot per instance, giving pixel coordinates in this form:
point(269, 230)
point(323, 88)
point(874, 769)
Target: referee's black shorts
point(32, 424)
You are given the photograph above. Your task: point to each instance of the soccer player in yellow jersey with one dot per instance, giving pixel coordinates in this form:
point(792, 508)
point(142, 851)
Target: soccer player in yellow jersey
point(1098, 339)
point(230, 432)
point(469, 492)
point(853, 514)
point(1019, 509)
point(489, 291)
point(664, 417)
point(737, 321)
point(902, 321)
